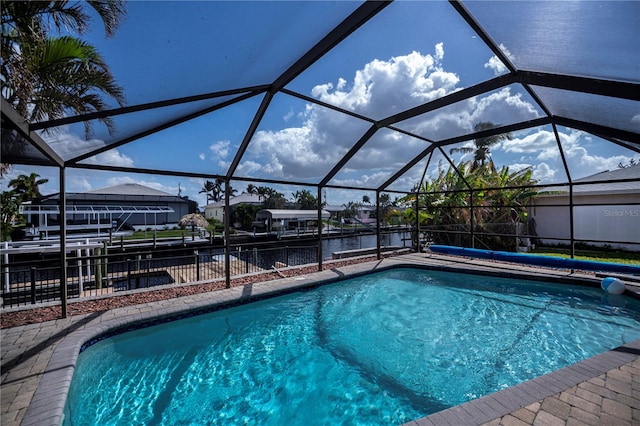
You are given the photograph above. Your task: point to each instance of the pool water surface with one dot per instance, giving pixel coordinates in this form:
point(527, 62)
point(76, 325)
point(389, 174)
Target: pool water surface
point(384, 348)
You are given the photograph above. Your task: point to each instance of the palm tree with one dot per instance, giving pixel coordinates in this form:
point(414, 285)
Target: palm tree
point(209, 188)
point(482, 146)
point(45, 76)
point(27, 187)
point(252, 189)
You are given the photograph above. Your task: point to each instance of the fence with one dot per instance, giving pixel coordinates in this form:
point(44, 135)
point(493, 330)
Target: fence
point(32, 282)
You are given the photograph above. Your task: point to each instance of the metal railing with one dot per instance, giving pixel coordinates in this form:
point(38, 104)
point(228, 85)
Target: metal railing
point(36, 281)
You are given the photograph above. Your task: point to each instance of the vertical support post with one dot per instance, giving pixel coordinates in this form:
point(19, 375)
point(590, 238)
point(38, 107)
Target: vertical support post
point(568, 172)
point(138, 271)
point(33, 285)
point(128, 274)
point(472, 220)
point(226, 219)
point(197, 261)
point(6, 266)
point(87, 253)
point(418, 220)
point(98, 266)
point(105, 266)
point(80, 277)
point(63, 244)
point(255, 257)
point(571, 230)
point(320, 228)
point(378, 211)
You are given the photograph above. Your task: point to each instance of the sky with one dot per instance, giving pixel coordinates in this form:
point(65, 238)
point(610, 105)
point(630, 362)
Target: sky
point(412, 53)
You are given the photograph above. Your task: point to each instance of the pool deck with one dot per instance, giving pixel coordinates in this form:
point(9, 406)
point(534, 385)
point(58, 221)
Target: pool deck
point(38, 359)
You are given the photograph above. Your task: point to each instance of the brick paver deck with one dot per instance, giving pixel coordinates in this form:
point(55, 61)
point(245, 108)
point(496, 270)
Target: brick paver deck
point(38, 361)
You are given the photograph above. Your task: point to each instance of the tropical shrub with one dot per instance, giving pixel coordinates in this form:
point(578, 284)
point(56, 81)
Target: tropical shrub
point(491, 200)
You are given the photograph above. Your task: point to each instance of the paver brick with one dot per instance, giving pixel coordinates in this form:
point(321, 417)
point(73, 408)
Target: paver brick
point(583, 404)
point(600, 390)
point(533, 407)
point(618, 386)
point(616, 409)
point(556, 407)
point(584, 417)
point(589, 396)
point(619, 374)
point(510, 420)
point(545, 419)
point(525, 415)
point(608, 420)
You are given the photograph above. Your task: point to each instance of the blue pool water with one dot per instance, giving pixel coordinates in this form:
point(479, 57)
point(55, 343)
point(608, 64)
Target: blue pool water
point(385, 348)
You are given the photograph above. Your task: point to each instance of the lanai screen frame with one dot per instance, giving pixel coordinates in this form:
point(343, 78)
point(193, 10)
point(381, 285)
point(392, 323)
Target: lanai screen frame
point(27, 134)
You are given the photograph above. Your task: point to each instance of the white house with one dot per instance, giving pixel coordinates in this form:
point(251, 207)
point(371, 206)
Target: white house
point(216, 210)
point(601, 211)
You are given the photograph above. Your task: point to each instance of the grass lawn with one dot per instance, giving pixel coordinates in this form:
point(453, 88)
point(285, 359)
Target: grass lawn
point(169, 233)
point(623, 257)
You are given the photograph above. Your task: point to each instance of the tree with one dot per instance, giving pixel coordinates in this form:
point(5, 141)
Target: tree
point(244, 214)
point(632, 162)
point(27, 188)
point(482, 146)
point(366, 200)
point(350, 209)
point(272, 198)
point(447, 203)
point(208, 188)
point(252, 189)
point(8, 212)
point(44, 75)
point(305, 200)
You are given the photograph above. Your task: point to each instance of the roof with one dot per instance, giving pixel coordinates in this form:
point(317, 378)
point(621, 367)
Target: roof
point(292, 214)
point(534, 73)
point(240, 199)
point(131, 189)
point(125, 192)
point(625, 180)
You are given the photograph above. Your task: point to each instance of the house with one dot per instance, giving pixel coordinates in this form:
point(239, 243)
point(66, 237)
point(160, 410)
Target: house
point(277, 219)
point(216, 210)
point(117, 207)
point(607, 210)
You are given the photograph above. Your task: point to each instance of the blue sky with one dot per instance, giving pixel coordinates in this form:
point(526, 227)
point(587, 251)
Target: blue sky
point(411, 53)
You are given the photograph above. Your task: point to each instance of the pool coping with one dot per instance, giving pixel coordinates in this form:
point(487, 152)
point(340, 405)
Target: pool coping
point(47, 405)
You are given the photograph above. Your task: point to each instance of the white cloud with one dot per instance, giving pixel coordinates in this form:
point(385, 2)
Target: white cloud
point(220, 149)
point(377, 89)
point(542, 142)
point(201, 156)
point(544, 173)
point(112, 158)
point(78, 185)
point(366, 180)
point(69, 145)
point(496, 64)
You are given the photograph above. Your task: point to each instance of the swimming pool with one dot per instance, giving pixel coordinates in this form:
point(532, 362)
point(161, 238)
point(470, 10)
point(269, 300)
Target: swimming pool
point(382, 348)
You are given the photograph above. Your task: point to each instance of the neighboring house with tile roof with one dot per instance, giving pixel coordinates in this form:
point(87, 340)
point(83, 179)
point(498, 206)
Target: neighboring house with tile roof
point(606, 206)
point(129, 205)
